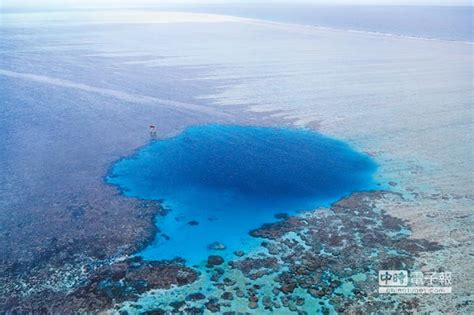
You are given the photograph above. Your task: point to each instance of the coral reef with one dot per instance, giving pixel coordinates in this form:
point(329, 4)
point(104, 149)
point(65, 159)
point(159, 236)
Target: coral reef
point(322, 261)
point(121, 281)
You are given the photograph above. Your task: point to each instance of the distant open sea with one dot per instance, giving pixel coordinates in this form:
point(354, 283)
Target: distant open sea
point(431, 22)
point(434, 22)
point(452, 23)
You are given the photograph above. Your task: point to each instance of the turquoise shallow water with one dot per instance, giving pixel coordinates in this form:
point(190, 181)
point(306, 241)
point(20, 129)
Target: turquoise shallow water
point(222, 181)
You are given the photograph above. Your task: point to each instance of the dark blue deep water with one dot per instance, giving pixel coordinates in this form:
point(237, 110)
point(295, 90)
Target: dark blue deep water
point(222, 181)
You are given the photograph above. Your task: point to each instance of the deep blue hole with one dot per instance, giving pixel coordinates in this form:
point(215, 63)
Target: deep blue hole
point(222, 181)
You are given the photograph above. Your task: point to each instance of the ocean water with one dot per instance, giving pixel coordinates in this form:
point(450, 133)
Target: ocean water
point(431, 22)
point(79, 89)
point(453, 23)
point(221, 181)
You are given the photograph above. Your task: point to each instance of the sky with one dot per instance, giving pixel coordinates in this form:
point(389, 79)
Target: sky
point(66, 3)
